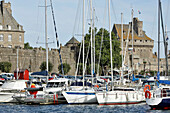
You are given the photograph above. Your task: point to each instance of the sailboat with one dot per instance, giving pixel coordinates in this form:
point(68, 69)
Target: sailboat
point(159, 97)
point(121, 95)
point(13, 87)
point(82, 94)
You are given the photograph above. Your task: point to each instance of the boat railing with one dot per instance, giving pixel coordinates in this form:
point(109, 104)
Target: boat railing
point(35, 96)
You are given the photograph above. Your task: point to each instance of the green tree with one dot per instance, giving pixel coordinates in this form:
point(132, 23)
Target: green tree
point(105, 52)
point(5, 66)
point(66, 68)
point(27, 46)
point(43, 66)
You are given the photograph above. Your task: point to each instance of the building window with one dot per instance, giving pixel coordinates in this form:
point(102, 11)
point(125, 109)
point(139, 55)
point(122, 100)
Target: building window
point(1, 27)
point(20, 38)
point(124, 32)
point(1, 37)
point(145, 40)
point(129, 40)
point(1, 45)
point(140, 40)
point(73, 48)
point(9, 37)
point(135, 40)
point(10, 46)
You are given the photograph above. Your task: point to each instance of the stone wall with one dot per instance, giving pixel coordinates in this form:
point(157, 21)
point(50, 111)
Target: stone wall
point(32, 59)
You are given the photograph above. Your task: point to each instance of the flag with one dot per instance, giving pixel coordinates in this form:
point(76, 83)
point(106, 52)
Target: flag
point(139, 12)
point(167, 38)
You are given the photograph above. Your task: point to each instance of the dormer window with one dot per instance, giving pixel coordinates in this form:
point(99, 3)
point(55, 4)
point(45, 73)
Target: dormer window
point(10, 46)
point(19, 27)
point(1, 27)
point(8, 27)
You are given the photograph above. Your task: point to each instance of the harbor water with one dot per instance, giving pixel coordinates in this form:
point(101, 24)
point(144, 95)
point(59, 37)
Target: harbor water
point(139, 108)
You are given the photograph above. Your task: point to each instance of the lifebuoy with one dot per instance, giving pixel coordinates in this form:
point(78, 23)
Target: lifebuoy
point(33, 92)
point(96, 86)
point(147, 87)
point(148, 94)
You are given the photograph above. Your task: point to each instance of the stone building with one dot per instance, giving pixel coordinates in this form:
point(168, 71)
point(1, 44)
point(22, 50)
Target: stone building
point(31, 59)
point(143, 45)
point(12, 36)
point(11, 32)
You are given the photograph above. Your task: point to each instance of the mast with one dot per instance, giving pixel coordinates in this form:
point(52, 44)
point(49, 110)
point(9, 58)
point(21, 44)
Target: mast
point(91, 40)
point(83, 38)
point(110, 44)
point(132, 42)
point(164, 40)
point(94, 38)
point(158, 33)
point(122, 43)
point(46, 39)
point(55, 29)
point(17, 64)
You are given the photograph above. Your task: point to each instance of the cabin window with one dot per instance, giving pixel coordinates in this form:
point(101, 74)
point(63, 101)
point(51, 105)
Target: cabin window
point(1, 37)
point(168, 93)
point(55, 84)
point(9, 38)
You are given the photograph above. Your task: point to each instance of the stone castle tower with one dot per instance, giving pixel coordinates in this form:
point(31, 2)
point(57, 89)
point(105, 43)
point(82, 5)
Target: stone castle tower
point(143, 45)
point(11, 32)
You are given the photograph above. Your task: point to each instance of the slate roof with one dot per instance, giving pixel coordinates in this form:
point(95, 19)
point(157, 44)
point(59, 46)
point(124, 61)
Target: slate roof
point(117, 27)
point(6, 19)
point(73, 40)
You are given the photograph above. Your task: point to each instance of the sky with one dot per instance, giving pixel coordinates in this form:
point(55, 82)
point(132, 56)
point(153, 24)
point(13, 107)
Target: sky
point(68, 17)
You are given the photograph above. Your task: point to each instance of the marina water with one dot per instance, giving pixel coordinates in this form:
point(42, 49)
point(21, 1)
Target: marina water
point(64, 108)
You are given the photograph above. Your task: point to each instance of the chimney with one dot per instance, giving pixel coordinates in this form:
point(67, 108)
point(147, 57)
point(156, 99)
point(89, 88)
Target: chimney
point(2, 5)
point(5, 5)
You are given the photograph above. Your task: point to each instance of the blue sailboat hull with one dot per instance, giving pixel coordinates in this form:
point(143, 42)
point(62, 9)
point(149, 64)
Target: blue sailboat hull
point(165, 104)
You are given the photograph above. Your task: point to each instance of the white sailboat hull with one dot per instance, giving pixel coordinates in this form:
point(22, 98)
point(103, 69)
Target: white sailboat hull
point(80, 97)
point(119, 97)
point(6, 97)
